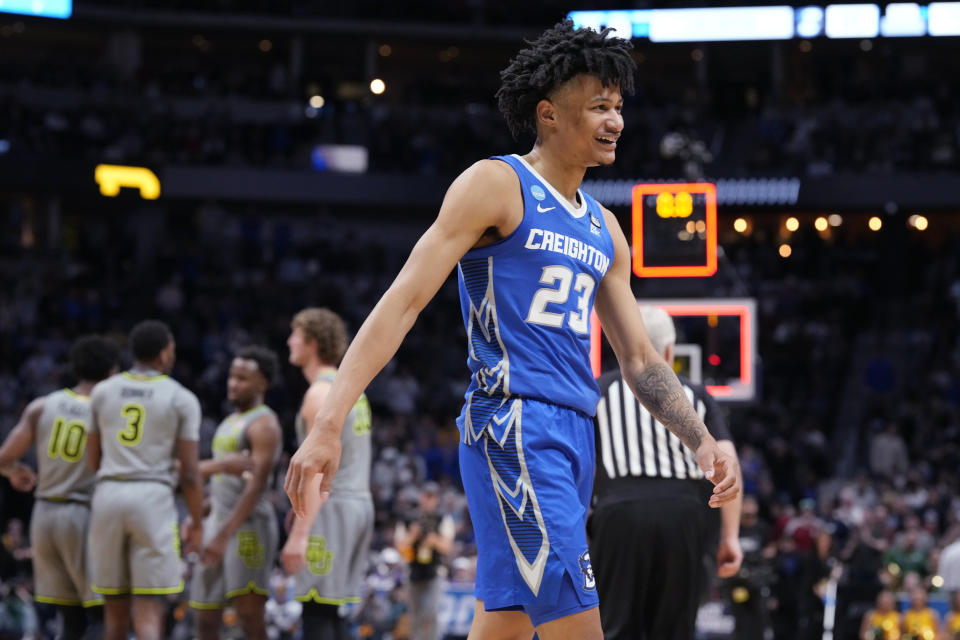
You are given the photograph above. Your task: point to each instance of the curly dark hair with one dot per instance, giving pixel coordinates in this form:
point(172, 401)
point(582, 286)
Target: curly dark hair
point(93, 357)
point(265, 358)
point(148, 339)
point(558, 55)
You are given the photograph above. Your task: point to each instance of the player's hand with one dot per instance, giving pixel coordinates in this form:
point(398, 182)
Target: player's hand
point(294, 554)
point(729, 557)
point(213, 551)
point(720, 469)
point(237, 464)
point(194, 538)
point(312, 468)
point(22, 477)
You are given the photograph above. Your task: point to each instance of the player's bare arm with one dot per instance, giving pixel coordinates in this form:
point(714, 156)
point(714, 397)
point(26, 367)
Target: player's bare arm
point(293, 556)
point(264, 437)
point(650, 378)
point(16, 444)
point(729, 553)
point(312, 401)
point(232, 464)
point(93, 450)
point(191, 484)
point(482, 202)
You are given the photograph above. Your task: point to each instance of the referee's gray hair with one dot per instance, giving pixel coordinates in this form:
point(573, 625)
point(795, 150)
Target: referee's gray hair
point(659, 326)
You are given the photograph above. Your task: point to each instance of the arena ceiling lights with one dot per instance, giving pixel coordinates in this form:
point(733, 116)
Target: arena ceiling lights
point(779, 22)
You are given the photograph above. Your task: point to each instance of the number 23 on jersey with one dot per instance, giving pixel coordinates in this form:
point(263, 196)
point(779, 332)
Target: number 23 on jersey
point(559, 280)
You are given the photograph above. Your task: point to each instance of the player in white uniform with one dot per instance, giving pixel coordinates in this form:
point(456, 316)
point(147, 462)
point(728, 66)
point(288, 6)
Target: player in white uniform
point(144, 423)
point(57, 424)
point(328, 553)
point(241, 530)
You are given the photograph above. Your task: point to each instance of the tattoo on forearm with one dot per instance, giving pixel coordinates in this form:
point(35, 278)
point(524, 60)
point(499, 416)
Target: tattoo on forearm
point(657, 387)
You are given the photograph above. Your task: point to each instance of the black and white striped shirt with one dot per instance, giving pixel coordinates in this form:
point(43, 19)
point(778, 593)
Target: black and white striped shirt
point(631, 446)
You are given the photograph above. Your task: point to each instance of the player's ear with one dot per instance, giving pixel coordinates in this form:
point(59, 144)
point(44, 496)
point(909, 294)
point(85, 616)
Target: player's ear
point(546, 113)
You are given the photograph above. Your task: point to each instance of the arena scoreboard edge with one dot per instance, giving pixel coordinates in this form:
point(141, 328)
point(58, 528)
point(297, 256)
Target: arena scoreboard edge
point(675, 230)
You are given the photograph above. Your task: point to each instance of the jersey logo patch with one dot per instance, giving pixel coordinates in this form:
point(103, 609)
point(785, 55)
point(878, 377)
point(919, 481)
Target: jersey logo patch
point(319, 559)
point(538, 192)
point(589, 583)
point(249, 549)
point(594, 225)
point(543, 209)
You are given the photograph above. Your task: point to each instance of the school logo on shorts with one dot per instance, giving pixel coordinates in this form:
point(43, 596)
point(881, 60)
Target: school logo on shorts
point(538, 192)
point(319, 560)
point(587, 570)
point(249, 549)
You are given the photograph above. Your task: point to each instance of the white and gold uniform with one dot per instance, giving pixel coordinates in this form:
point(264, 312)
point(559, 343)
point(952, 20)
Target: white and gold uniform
point(134, 538)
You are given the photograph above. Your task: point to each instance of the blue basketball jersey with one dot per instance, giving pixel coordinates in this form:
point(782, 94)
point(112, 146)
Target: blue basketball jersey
point(527, 302)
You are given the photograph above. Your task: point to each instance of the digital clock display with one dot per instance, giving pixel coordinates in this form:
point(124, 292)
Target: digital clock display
point(675, 230)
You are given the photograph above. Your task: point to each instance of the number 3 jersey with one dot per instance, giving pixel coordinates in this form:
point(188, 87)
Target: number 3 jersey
point(61, 437)
point(140, 415)
point(527, 302)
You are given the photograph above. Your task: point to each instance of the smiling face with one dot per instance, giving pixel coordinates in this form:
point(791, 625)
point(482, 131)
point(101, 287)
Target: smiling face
point(583, 118)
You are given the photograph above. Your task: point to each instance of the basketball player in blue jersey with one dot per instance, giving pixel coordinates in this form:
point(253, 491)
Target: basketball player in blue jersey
point(533, 253)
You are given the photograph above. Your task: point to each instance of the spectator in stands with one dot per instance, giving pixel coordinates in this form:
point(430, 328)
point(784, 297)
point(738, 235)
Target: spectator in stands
point(749, 590)
point(282, 612)
point(907, 555)
point(920, 622)
point(951, 623)
point(17, 618)
point(18, 550)
point(888, 453)
point(805, 526)
point(882, 622)
point(424, 540)
point(949, 566)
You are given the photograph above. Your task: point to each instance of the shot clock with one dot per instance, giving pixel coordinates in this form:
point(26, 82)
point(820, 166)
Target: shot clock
point(675, 230)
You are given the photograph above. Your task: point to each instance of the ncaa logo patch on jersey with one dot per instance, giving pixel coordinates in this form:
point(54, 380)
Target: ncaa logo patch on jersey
point(538, 192)
point(595, 225)
point(587, 570)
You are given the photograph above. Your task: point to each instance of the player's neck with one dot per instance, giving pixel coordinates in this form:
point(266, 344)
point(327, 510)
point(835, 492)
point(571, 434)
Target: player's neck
point(314, 368)
point(83, 388)
point(153, 365)
point(247, 406)
point(556, 168)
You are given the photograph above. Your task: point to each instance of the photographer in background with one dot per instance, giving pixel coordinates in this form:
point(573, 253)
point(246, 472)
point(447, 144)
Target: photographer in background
point(423, 541)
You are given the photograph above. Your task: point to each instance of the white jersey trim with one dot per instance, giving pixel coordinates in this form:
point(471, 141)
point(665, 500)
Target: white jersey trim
point(576, 212)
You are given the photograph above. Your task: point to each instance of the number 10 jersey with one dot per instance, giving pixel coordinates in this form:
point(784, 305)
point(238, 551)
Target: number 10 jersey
point(527, 302)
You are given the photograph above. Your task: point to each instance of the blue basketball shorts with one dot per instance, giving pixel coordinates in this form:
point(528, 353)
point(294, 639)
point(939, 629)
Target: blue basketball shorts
point(528, 481)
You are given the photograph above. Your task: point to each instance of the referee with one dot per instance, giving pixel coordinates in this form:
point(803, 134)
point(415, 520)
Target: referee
point(652, 534)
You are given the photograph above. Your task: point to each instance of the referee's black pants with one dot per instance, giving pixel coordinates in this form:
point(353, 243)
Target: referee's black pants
point(647, 556)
